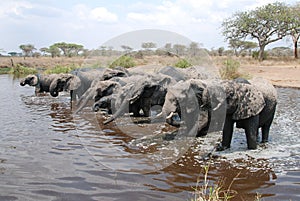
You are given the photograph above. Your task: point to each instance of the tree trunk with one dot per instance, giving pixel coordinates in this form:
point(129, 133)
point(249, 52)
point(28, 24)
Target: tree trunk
point(261, 52)
point(295, 38)
point(296, 49)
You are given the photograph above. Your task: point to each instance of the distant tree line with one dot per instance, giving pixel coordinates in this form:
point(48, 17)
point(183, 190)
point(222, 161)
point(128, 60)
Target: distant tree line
point(236, 48)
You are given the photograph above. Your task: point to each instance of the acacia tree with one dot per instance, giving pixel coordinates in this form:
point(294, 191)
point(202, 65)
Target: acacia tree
point(179, 49)
point(295, 31)
point(239, 46)
point(54, 51)
point(148, 45)
point(27, 49)
point(266, 24)
point(69, 49)
point(194, 48)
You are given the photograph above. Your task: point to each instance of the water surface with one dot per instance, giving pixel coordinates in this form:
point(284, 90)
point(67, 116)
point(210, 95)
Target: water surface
point(49, 153)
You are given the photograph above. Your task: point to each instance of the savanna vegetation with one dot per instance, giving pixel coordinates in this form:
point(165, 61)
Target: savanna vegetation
point(248, 34)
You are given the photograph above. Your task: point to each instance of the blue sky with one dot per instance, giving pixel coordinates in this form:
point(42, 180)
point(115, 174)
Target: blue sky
point(93, 22)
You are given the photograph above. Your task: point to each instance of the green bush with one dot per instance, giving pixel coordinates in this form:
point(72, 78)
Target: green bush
point(183, 63)
point(230, 70)
point(123, 61)
point(23, 70)
point(60, 69)
point(256, 53)
point(5, 70)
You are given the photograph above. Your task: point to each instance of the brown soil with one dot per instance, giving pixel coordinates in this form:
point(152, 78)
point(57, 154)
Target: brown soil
point(281, 72)
point(283, 76)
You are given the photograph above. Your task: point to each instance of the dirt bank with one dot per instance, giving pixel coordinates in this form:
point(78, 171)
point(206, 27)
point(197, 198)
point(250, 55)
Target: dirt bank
point(282, 76)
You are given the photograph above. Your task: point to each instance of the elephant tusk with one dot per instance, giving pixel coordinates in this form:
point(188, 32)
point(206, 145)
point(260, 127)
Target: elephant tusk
point(217, 107)
point(170, 115)
point(159, 115)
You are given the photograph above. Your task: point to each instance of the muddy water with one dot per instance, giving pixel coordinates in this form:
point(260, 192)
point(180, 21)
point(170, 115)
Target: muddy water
point(49, 153)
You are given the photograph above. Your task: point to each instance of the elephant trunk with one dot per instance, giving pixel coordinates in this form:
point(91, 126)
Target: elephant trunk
point(54, 89)
point(85, 100)
point(22, 82)
point(119, 112)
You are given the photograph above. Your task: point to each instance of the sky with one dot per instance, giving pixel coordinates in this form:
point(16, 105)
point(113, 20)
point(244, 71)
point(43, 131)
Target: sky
point(93, 23)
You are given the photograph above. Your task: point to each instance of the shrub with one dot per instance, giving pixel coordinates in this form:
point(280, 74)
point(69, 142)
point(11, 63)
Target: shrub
point(60, 69)
point(230, 70)
point(216, 192)
point(124, 61)
point(183, 63)
point(23, 70)
point(256, 53)
point(5, 70)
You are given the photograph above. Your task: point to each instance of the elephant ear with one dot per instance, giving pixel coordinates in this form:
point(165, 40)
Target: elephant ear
point(73, 82)
point(201, 91)
point(146, 89)
point(250, 102)
point(32, 80)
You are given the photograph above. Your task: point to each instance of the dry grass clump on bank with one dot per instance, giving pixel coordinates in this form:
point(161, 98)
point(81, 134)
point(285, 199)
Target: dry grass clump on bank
point(206, 192)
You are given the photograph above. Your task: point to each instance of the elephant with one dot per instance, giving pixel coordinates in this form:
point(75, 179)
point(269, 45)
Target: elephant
point(40, 82)
point(139, 95)
point(251, 105)
point(84, 79)
point(192, 104)
point(193, 72)
point(98, 90)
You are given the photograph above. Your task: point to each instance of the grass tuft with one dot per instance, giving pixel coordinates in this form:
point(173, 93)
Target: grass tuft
point(230, 70)
point(5, 70)
point(60, 69)
point(22, 70)
point(206, 192)
point(123, 61)
point(183, 63)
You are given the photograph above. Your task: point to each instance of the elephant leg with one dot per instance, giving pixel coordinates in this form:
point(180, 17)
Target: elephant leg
point(73, 95)
point(265, 129)
point(135, 109)
point(227, 134)
point(146, 106)
point(251, 130)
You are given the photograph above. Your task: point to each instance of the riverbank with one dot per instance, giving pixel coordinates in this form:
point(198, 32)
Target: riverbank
point(281, 72)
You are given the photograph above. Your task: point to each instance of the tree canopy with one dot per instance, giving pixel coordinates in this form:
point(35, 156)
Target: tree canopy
point(27, 49)
point(69, 49)
point(266, 24)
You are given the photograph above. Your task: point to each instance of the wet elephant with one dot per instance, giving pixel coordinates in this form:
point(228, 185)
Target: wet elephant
point(251, 106)
point(140, 95)
point(192, 104)
point(40, 82)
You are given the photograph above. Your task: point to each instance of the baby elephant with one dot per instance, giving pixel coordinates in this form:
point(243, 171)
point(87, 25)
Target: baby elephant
point(40, 82)
point(251, 106)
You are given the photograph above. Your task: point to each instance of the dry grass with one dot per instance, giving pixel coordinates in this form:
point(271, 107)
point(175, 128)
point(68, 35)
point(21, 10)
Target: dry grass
point(271, 69)
point(205, 192)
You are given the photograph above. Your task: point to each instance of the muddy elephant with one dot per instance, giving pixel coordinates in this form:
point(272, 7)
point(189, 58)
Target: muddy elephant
point(192, 104)
point(96, 92)
point(64, 82)
point(40, 82)
point(251, 106)
point(139, 95)
point(84, 79)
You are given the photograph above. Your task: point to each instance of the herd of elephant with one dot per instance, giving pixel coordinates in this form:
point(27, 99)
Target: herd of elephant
point(189, 98)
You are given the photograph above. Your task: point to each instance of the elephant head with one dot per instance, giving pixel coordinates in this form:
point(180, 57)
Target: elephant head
point(64, 82)
point(140, 94)
point(188, 103)
point(31, 80)
point(243, 100)
point(98, 90)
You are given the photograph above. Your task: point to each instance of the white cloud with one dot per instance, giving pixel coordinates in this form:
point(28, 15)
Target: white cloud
point(13, 8)
point(101, 14)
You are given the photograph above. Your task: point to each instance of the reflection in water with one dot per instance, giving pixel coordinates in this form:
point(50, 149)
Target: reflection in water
point(48, 153)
